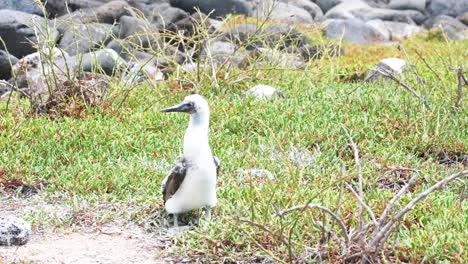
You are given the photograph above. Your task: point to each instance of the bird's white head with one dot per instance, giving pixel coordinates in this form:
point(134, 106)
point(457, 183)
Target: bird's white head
point(193, 104)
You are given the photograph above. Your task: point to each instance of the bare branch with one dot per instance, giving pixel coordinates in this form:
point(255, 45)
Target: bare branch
point(368, 209)
point(266, 229)
point(316, 206)
point(378, 238)
point(394, 199)
point(429, 67)
point(461, 83)
point(359, 169)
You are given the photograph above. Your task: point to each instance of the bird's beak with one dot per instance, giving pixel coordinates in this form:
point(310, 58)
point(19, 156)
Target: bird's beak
point(182, 107)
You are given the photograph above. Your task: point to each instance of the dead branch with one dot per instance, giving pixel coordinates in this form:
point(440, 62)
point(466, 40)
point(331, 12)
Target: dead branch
point(393, 200)
point(316, 206)
point(461, 83)
point(390, 75)
point(359, 169)
point(368, 209)
point(428, 66)
point(379, 237)
point(266, 229)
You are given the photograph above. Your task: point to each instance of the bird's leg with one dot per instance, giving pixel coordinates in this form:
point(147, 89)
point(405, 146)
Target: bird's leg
point(208, 212)
point(176, 220)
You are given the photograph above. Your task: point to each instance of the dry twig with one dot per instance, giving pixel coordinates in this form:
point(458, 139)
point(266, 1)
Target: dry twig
point(379, 237)
point(461, 83)
point(316, 206)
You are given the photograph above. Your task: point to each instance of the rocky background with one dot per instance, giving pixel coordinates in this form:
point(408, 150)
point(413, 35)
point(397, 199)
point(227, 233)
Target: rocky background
point(148, 39)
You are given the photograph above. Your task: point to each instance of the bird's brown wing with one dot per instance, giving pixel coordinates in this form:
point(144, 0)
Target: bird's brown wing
point(174, 179)
point(217, 164)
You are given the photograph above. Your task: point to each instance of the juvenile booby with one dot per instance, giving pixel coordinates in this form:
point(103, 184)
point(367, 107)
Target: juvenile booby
point(191, 184)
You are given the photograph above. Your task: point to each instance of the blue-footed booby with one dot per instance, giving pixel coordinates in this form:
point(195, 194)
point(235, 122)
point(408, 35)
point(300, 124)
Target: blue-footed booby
point(191, 184)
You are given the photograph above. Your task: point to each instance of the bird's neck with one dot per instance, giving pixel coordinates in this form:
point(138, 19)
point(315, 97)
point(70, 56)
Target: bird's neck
point(196, 145)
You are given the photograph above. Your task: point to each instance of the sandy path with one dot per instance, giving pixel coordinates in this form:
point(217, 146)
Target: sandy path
point(113, 242)
point(81, 248)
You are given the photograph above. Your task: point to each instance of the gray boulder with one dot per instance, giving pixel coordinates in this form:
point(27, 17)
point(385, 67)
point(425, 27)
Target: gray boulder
point(106, 13)
point(285, 12)
point(5, 89)
point(138, 32)
point(408, 4)
point(313, 9)
point(326, 5)
point(16, 30)
point(344, 9)
point(400, 31)
point(32, 74)
point(353, 30)
point(104, 60)
point(82, 38)
point(266, 57)
point(452, 8)
point(408, 16)
point(218, 51)
point(57, 8)
point(389, 15)
point(163, 14)
point(277, 36)
point(380, 26)
point(463, 18)
point(395, 30)
point(14, 231)
point(27, 6)
point(451, 27)
point(6, 61)
point(214, 8)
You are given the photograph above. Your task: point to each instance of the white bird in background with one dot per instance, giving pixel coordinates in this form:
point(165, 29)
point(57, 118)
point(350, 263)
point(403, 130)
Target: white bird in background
point(191, 184)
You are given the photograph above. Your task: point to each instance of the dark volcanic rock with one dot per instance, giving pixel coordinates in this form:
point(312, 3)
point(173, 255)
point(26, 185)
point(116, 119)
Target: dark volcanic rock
point(61, 7)
point(463, 18)
point(107, 13)
point(189, 28)
point(16, 30)
point(326, 5)
point(390, 15)
point(452, 8)
point(14, 231)
point(215, 7)
point(163, 14)
point(277, 36)
point(452, 27)
point(81, 38)
point(27, 6)
point(285, 12)
point(353, 30)
point(105, 60)
point(138, 32)
point(5, 66)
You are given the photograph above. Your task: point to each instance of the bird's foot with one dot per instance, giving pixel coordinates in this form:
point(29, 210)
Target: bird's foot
point(176, 231)
point(208, 213)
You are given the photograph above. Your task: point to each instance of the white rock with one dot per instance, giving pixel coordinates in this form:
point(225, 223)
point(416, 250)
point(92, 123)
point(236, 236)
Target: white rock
point(394, 66)
point(259, 173)
point(264, 91)
point(14, 231)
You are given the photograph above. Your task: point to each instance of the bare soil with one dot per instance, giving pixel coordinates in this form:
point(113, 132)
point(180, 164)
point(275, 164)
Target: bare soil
point(82, 248)
point(112, 242)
